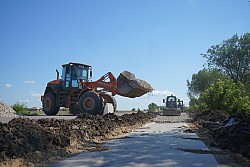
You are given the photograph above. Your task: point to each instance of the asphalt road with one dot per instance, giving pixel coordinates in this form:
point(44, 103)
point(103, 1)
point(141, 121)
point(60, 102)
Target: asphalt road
point(156, 144)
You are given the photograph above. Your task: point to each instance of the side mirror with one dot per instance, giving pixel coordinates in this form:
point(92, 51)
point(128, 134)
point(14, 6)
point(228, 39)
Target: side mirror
point(163, 100)
point(90, 73)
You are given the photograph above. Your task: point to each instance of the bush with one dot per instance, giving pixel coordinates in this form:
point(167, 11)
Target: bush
point(20, 108)
point(228, 96)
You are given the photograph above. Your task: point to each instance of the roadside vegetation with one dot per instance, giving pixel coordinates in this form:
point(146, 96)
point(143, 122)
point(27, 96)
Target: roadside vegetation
point(21, 108)
point(153, 107)
point(224, 84)
point(219, 97)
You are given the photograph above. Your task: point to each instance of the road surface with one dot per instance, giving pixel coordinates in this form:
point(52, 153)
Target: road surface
point(156, 144)
point(161, 143)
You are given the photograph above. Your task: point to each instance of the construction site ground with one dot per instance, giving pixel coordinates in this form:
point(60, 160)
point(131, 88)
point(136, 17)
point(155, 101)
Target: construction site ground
point(159, 144)
point(138, 139)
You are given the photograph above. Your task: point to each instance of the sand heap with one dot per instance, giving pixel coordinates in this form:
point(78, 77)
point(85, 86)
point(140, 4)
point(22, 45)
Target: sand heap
point(6, 111)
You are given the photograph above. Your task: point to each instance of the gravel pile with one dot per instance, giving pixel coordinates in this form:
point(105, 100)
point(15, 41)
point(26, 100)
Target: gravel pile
point(6, 111)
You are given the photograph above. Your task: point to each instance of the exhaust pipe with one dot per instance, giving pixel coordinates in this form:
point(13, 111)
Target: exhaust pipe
point(57, 74)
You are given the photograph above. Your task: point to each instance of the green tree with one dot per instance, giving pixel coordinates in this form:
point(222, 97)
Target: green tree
point(201, 81)
point(232, 56)
point(152, 107)
point(194, 103)
point(228, 96)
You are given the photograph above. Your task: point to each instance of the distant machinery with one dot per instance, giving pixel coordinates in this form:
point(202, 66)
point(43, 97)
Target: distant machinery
point(173, 107)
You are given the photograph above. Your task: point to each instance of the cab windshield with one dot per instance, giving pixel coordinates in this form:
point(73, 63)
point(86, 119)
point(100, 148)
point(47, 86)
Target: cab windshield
point(73, 73)
point(81, 72)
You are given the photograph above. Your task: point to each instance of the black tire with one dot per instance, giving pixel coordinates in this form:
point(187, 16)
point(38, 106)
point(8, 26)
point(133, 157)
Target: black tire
point(74, 110)
point(90, 102)
point(49, 104)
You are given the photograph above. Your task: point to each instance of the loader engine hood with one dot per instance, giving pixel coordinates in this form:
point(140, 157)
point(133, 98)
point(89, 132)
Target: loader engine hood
point(55, 82)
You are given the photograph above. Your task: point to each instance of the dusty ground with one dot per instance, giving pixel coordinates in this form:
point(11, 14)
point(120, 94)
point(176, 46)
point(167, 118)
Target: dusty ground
point(25, 142)
point(28, 142)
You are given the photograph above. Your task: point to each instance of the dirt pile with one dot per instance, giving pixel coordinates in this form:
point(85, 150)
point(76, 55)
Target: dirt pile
point(36, 141)
point(236, 137)
point(211, 115)
point(6, 111)
point(228, 132)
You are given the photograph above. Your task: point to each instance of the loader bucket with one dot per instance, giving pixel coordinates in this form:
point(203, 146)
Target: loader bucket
point(129, 86)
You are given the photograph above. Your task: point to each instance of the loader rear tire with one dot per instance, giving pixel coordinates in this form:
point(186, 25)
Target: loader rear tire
point(49, 104)
point(90, 102)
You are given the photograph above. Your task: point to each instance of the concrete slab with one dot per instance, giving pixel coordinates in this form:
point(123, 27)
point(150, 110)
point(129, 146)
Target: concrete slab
point(155, 144)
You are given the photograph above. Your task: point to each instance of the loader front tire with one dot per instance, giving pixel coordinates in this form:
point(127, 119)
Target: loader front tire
point(49, 104)
point(74, 110)
point(90, 102)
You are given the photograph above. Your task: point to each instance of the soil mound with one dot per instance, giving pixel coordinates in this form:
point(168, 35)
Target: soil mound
point(212, 115)
point(36, 141)
point(234, 136)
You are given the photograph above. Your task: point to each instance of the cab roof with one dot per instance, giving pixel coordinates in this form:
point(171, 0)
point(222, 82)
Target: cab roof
point(76, 64)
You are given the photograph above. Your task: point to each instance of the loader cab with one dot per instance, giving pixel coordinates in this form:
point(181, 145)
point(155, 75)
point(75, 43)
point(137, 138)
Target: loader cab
point(73, 74)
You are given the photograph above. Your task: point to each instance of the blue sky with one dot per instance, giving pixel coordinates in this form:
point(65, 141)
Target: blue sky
point(160, 41)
